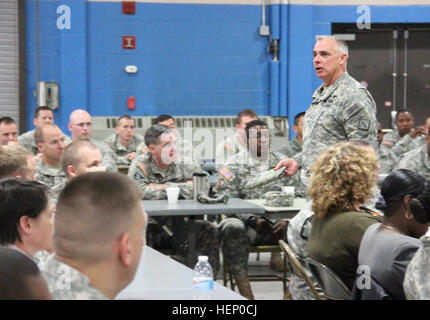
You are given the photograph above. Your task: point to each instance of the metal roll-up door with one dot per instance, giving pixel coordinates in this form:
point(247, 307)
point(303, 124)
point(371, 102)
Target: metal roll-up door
point(9, 59)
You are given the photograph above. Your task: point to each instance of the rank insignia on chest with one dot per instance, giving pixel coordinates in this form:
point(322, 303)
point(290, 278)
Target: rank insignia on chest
point(227, 174)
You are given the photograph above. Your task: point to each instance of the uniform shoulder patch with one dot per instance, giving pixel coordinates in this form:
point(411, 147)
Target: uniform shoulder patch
point(363, 124)
point(142, 167)
point(226, 174)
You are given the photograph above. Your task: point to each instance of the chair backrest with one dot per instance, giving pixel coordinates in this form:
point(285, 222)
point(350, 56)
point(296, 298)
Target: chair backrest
point(334, 288)
point(297, 267)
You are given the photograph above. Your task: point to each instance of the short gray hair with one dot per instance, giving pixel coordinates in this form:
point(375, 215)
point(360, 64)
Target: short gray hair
point(152, 135)
point(341, 45)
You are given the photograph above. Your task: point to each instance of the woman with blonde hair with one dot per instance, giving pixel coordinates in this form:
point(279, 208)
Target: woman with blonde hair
point(342, 179)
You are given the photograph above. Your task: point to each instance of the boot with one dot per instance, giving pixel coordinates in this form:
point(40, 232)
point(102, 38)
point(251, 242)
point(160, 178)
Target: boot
point(244, 287)
point(276, 262)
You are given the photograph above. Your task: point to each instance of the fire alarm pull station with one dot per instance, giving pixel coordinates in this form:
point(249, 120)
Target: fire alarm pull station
point(47, 94)
point(131, 103)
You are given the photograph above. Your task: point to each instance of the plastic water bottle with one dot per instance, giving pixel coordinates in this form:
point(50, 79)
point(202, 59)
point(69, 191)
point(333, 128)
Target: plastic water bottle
point(203, 279)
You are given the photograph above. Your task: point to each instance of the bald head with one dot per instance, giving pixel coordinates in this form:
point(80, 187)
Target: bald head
point(80, 125)
point(80, 157)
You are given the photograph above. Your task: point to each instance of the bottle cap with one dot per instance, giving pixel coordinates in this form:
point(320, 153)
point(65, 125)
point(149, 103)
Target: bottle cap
point(203, 258)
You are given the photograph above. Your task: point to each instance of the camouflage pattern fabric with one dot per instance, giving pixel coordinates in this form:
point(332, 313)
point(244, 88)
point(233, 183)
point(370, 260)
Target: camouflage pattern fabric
point(55, 191)
point(291, 148)
point(387, 159)
point(144, 172)
point(49, 176)
point(406, 144)
point(27, 141)
point(343, 111)
point(298, 232)
point(391, 138)
point(120, 150)
point(236, 236)
point(416, 160)
point(417, 277)
point(67, 283)
point(109, 159)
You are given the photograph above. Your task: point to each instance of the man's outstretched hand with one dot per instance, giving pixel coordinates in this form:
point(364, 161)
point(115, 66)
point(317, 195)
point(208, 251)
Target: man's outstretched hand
point(291, 166)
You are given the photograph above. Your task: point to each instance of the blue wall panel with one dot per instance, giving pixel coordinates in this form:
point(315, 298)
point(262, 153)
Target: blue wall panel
point(193, 59)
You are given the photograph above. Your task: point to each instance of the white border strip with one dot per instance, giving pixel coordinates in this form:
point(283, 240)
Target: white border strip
point(303, 2)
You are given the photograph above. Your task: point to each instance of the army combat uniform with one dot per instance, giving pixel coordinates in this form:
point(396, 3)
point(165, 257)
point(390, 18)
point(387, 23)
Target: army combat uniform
point(341, 112)
point(227, 149)
point(391, 138)
point(120, 150)
point(237, 233)
point(144, 171)
point(67, 283)
point(406, 144)
point(416, 160)
point(291, 148)
point(50, 176)
point(27, 141)
point(387, 159)
point(109, 159)
point(417, 277)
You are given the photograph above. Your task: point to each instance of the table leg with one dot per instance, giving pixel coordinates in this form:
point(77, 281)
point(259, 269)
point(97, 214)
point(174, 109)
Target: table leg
point(191, 259)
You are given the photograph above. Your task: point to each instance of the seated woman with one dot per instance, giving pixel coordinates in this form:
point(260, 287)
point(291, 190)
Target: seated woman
point(341, 180)
point(387, 248)
point(26, 216)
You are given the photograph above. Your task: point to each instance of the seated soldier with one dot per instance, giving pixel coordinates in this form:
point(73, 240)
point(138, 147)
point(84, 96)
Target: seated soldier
point(184, 147)
point(386, 157)
point(42, 115)
point(20, 278)
point(81, 126)
point(417, 160)
point(26, 216)
point(416, 138)
point(8, 131)
point(16, 162)
point(99, 235)
point(295, 146)
point(152, 171)
point(50, 142)
point(238, 234)
point(124, 142)
point(405, 123)
point(79, 157)
point(236, 142)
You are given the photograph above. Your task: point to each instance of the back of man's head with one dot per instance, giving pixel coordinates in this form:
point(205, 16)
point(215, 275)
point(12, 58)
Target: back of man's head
point(20, 278)
point(93, 211)
point(13, 161)
point(72, 155)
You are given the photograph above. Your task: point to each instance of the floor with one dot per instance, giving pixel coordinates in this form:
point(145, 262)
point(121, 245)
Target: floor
point(267, 290)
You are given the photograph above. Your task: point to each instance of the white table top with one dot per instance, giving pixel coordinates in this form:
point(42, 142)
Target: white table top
point(190, 207)
point(159, 277)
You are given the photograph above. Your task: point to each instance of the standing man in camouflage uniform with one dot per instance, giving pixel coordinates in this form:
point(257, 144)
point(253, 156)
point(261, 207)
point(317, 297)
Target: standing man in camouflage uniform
point(50, 142)
point(152, 171)
point(295, 146)
point(342, 109)
point(80, 126)
point(417, 160)
point(42, 115)
point(99, 235)
point(237, 234)
point(124, 142)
